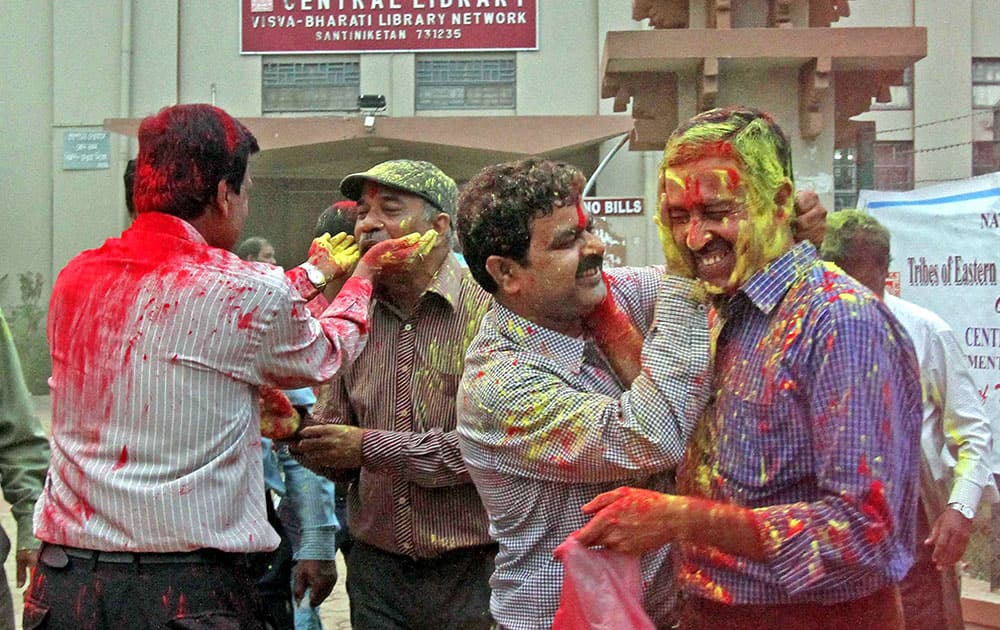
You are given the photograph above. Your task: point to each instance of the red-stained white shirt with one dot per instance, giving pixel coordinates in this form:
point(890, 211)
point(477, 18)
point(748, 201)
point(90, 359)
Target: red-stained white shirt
point(159, 343)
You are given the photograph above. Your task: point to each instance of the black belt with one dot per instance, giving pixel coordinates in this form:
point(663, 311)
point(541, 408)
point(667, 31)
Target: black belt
point(56, 556)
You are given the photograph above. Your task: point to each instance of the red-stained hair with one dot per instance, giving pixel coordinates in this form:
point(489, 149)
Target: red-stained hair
point(184, 152)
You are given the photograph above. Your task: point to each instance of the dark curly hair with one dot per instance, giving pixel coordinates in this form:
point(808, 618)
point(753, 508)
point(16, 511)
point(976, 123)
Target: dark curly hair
point(184, 152)
point(497, 206)
point(340, 217)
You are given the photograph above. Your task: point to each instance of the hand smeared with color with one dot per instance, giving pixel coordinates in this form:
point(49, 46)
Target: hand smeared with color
point(400, 252)
point(278, 418)
point(340, 250)
point(616, 335)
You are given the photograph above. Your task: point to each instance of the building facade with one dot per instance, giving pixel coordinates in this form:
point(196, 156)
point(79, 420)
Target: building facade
point(81, 74)
point(939, 125)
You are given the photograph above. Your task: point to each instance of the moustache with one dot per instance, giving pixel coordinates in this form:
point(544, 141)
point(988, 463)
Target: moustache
point(589, 263)
point(368, 241)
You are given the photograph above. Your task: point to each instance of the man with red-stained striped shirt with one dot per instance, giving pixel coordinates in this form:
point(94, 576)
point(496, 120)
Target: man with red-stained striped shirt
point(160, 340)
point(422, 554)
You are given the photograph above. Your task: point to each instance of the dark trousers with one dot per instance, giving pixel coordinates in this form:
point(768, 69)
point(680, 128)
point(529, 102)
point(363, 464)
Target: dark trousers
point(393, 592)
point(343, 538)
point(273, 574)
point(72, 593)
point(931, 598)
point(880, 610)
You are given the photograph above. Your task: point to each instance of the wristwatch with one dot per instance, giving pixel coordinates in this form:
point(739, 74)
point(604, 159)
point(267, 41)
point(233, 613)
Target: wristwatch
point(965, 510)
point(315, 275)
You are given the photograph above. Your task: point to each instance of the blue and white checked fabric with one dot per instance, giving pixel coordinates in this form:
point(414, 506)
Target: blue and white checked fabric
point(545, 426)
point(815, 423)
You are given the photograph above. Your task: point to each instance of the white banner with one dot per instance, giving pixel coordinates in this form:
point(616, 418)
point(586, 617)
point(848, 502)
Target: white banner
point(946, 257)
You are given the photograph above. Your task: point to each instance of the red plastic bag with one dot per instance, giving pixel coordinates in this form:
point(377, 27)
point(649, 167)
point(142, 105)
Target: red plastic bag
point(602, 590)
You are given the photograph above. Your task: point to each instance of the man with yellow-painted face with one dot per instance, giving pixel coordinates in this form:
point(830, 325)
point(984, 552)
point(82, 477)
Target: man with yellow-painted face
point(797, 492)
point(581, 378)
point(422, 552)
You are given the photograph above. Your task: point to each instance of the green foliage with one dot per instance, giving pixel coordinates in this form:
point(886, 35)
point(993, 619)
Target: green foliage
point(27, 325)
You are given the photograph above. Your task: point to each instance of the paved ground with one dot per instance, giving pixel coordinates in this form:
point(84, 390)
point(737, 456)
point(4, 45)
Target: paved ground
point(334, 611)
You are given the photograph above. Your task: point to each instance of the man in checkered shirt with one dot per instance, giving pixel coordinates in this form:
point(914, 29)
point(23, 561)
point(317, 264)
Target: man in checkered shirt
point(545, 423)
point(561, 397)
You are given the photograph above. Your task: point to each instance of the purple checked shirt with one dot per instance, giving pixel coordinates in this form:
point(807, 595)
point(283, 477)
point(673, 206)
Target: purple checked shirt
point(815, 424)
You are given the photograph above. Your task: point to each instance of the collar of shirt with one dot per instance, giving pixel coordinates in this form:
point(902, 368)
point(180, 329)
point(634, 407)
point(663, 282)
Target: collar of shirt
point(767, 288)
point(532, 337)
point(167, 225)
point(446, 283)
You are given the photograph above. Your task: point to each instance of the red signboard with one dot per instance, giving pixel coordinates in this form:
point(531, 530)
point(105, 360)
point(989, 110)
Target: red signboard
point(361, 26)
point(613, 206)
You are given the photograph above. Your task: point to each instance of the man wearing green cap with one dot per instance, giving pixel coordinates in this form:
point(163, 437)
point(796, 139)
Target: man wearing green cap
point(422, 555)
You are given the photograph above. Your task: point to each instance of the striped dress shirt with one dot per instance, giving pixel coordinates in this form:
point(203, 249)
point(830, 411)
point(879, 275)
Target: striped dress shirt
point(546, 426)
point(413, 495)
point(815, 424)
point(159, 344)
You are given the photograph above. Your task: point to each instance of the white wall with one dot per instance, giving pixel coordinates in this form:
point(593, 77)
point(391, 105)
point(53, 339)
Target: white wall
point(941, 90)
point(880, 13)
point(628, 173)
point(64, 71)
point(562, 76)
point(87, 206)
point(154, 57)
point(25, 149)
point(209, 55)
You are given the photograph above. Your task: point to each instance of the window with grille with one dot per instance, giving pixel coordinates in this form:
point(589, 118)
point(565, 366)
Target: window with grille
point(465, 84)
point(327, 86)
point(845, 179)
point(985, 83)
point(902, 95)
point(894, 165)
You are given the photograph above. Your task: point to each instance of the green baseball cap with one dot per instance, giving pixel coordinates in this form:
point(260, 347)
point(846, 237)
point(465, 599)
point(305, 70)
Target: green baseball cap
point(413, 176)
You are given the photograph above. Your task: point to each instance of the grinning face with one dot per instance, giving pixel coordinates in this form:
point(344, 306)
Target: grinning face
point(703, 207)
point(560, 282)
point(385, 213)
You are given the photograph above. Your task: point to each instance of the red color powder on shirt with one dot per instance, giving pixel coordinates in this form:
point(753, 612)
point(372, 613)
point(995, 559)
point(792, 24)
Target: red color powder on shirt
point(122, 459)
point(278, 419)
point(244, 321)
point(876, 508)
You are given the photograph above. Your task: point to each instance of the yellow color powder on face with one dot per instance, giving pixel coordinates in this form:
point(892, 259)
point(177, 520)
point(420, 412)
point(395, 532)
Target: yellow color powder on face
point(760, 149)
